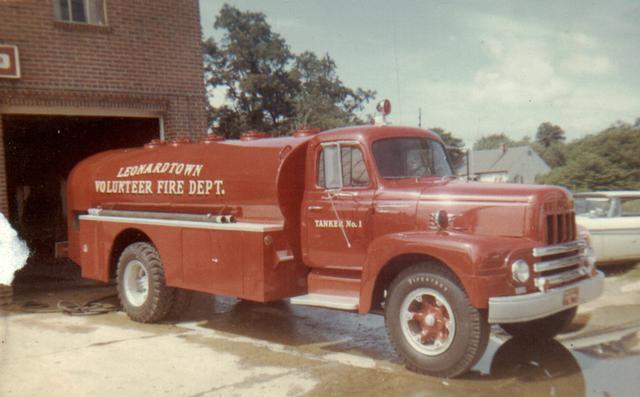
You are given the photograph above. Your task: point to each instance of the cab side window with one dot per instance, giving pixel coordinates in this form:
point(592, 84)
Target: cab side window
point(341, 166)
point(631, 207)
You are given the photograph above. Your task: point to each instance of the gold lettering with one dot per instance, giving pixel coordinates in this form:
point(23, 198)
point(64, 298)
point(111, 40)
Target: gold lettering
point(219, 189)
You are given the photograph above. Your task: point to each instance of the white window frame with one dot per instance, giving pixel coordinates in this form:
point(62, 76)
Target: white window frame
point(86, 3)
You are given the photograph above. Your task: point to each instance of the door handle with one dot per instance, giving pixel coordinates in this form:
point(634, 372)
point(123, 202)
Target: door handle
point(332, 195)
point(315, 208)
point(346, 194)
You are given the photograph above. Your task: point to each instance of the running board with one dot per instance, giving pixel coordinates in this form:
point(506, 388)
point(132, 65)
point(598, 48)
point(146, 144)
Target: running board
point(325, 300)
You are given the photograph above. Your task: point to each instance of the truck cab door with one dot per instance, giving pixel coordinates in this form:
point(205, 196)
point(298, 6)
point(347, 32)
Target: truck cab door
point(338, 207)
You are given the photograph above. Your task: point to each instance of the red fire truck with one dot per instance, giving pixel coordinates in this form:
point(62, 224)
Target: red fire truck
point(369, 219)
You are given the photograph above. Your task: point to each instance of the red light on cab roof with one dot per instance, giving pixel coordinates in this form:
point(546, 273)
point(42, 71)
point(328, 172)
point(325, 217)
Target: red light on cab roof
point(384, 107)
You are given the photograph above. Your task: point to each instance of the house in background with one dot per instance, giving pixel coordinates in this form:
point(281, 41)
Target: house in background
point(519, 164)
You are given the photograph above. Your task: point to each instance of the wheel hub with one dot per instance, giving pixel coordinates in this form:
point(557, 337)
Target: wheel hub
point(136, 283)
point(428, 322)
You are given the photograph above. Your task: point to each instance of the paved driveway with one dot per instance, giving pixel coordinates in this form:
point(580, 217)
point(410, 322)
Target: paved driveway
point(225, 347)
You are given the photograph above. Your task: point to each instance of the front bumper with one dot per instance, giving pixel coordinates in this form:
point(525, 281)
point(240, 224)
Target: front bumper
point(518, 308)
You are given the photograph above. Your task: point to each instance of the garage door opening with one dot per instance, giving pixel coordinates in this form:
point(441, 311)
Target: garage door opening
point(40, 151)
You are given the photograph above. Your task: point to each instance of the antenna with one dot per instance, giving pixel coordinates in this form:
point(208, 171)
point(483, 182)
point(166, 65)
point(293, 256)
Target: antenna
point(419, 117)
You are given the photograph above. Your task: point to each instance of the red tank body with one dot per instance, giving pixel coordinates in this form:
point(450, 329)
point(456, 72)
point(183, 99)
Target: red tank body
point(365, 218)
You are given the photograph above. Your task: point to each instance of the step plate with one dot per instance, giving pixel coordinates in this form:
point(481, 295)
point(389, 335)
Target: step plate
point(330, 301)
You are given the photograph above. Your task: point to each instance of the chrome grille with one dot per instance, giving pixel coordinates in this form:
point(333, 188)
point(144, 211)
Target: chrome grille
point(560, 224)
point(560, 264)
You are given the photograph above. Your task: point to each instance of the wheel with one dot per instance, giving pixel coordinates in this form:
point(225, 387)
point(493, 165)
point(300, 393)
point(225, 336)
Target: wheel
point(141, 284)
point(431, 323)
point(542, 328)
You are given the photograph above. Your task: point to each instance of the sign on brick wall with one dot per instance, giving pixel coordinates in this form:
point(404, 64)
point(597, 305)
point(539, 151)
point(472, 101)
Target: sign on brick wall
point(9, 62)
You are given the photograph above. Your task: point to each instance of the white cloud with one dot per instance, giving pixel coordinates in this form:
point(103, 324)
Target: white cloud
point(596, 65)
point(582, 40)
point(521, 71)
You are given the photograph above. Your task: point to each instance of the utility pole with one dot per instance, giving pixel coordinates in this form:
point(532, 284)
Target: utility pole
point(419, 117)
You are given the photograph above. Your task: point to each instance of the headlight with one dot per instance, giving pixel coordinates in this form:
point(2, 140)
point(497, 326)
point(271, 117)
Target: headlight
point(520, 271)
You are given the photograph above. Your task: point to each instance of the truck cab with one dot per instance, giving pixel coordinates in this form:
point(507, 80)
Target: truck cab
point(369, 219)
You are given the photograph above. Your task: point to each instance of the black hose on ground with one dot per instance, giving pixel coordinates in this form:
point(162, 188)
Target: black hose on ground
point(90, 308)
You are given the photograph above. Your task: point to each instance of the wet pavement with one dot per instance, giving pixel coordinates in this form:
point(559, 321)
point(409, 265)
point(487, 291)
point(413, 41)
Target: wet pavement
point(225, 347)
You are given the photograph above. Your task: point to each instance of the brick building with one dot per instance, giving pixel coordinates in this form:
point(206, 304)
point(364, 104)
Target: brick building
point(82, 76)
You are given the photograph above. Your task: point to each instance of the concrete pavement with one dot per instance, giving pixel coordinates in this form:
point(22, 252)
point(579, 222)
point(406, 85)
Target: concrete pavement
point(225, 347)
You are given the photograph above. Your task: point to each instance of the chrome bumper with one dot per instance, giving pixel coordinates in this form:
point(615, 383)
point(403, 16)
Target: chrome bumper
point(518, 308)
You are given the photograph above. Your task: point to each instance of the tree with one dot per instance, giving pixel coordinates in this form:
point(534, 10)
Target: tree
point(493, 141)
point(554, 155)
point(605, 161)
point(454, 145)
point(549, 133)
point(267, 87)
point(251, 64)
point(323, 101)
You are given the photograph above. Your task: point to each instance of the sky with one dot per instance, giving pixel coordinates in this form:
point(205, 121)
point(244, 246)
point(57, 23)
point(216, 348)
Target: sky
point(473, 68)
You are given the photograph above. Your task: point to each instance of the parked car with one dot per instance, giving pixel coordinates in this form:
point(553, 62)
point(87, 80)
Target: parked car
point(613, 221)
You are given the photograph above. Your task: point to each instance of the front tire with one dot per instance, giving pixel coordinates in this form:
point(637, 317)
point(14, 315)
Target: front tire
point(431, 323)
point(142, 290)
point(542, 328)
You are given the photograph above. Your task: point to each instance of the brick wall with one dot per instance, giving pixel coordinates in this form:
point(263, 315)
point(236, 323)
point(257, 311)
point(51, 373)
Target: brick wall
point(148, 48)
point(4, 205)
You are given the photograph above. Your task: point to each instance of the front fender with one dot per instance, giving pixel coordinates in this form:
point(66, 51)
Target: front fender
point(478, 261)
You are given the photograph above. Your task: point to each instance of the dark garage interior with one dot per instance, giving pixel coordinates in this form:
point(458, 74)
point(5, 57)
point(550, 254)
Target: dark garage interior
point(40, 151)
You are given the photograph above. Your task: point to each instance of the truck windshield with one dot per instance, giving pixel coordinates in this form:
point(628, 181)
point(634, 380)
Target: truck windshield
point(399, 158)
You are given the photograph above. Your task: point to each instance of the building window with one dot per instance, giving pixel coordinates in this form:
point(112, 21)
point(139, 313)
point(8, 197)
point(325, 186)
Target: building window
point(81, 11)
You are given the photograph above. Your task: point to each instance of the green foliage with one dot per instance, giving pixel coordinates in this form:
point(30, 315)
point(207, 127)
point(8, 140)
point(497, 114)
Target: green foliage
point(549, 134)
point(554, 155)
point(493, 141)
point(267, 87)
point(605, 161)
point(455, 146)
point(323, 101)
point(251, 64)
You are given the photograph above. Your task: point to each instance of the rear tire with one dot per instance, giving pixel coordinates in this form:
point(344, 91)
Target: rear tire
point(431, 323)
point(143, 292)
point(542, 328)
